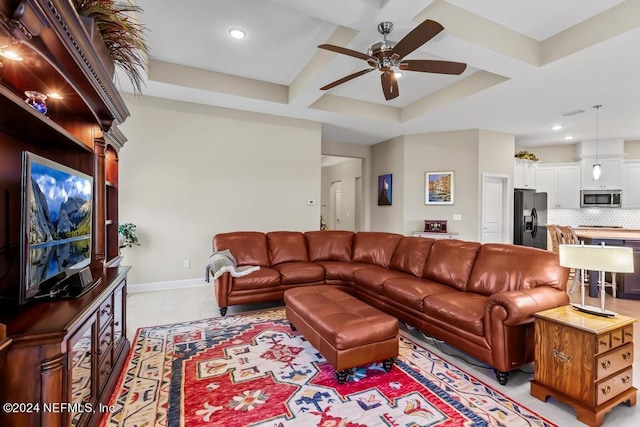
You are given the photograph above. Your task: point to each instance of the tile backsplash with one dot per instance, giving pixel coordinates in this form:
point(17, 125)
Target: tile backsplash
point(626, 218)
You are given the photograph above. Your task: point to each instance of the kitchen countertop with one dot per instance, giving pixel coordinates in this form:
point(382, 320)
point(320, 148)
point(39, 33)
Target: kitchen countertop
point(608, 233)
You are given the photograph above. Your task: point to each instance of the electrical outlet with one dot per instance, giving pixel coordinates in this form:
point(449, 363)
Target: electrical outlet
point(457, 217)
point(187, 263)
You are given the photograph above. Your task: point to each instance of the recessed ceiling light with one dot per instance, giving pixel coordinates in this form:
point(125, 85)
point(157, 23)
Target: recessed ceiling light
point(556, 127)
point(568, 137)
point(237, 33)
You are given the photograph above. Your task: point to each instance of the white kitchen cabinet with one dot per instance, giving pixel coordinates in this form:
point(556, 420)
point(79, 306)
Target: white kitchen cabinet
point(630, 187)
point(524, 174)
point(611, 178)
point(561, 182)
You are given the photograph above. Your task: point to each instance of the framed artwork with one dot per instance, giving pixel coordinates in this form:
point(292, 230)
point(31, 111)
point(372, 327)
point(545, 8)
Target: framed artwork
point(438, 188)
point(384, 190)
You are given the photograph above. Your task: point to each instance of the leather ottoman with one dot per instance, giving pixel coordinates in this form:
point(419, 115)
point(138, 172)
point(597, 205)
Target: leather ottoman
point(345, 330)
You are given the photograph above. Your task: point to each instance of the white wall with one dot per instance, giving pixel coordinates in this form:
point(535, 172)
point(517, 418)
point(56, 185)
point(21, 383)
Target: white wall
point(388, 158)
point(190, 171)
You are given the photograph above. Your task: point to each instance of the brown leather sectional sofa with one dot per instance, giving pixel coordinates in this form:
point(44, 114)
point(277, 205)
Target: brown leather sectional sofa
point(477, 297)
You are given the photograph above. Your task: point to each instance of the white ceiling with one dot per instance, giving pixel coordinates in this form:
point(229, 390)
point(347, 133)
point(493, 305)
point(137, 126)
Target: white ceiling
point(528, 61)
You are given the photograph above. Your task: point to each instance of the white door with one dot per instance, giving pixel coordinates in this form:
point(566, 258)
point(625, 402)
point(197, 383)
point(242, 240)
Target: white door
point(335, 208)
point(494, 209)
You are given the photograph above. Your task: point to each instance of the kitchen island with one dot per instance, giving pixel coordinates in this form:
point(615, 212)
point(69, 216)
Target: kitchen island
point(628, 284)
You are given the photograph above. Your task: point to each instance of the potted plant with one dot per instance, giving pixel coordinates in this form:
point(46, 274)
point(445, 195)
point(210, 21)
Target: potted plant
point(123, 35)
point(127, 235)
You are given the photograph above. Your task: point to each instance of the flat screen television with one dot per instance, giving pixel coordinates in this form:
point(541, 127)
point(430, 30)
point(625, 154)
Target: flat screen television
point(57, 204)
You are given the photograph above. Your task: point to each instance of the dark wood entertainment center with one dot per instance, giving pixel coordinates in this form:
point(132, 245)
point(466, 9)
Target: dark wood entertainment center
point(60, 359)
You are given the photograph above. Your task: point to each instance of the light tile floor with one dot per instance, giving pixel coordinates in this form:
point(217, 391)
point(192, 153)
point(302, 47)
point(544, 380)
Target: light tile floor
point(171, 306)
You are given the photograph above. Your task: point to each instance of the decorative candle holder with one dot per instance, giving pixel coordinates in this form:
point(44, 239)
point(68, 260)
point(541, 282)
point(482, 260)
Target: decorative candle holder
point(36, 100)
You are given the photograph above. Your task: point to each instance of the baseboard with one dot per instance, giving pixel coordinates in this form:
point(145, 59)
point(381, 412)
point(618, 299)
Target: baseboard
point(163, 286)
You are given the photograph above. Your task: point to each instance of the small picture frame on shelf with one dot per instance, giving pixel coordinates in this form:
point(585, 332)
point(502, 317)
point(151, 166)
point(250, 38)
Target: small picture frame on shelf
point(438, 188)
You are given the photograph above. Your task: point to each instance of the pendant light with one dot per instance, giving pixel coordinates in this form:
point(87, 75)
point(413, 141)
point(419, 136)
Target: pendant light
point(597, 167)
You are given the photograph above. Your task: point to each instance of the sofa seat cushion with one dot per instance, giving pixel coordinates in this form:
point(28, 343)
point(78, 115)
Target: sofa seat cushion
point(461, 310)
point(300, 272)
point(263, 278)
point(338, 270)
point(411, 291)
point(372, 278)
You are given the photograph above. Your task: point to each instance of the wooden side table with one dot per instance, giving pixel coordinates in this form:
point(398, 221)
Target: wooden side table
point(583, 360)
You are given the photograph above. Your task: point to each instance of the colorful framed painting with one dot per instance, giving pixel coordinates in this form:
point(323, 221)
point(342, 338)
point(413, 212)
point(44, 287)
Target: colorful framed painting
point(439, 188)
point(384, 190)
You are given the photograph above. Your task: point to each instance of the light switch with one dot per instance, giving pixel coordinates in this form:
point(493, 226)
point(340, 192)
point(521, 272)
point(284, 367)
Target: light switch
point(457, 217)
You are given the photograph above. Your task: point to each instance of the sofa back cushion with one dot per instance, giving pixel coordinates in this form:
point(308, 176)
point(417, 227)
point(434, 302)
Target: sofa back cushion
point(287, 246)
point(247, 247)
point(450, 262)
point(501, 267)
point(330, 245)
point(373, 247)
point(411, 254)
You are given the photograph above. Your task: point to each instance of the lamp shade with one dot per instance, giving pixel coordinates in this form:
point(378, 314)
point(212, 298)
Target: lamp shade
point(600, 258)
point(597, 171)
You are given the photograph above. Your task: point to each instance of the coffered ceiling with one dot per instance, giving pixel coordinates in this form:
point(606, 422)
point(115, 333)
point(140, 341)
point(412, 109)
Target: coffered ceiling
point(528, 62)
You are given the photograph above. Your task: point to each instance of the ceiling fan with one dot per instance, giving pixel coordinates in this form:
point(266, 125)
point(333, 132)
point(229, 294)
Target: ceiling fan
point(387, 56)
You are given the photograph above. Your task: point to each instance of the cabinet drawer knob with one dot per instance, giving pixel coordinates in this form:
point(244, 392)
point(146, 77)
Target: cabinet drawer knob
point(606, 364)
point(606, 390)
point(626, 379)
point(626, 356)
point(615, 338)
point(604, 343)
point(561, 356)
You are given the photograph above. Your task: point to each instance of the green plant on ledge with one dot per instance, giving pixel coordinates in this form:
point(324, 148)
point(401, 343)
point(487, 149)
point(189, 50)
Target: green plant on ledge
point(128, 236)
point(121, 32)
point(525, 155)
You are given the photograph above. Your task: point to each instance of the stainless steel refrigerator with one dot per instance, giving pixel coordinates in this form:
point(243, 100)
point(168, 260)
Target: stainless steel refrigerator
point(530, 218)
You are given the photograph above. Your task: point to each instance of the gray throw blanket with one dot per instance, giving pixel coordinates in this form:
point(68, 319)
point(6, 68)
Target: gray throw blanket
point(221, 262)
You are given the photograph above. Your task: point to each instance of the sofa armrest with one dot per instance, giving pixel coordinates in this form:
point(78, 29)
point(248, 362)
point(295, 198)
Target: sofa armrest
point(519, 306)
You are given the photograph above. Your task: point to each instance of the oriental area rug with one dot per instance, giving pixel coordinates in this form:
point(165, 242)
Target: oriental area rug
point(252, 370)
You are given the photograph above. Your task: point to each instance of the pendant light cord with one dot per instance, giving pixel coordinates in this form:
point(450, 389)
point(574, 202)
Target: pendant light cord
point(597, 107)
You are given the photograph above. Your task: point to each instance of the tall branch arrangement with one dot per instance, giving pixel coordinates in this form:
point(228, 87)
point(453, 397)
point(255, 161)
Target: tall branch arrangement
point(123, 34)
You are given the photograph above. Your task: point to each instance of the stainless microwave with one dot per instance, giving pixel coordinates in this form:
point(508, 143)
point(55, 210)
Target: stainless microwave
point(601, 198)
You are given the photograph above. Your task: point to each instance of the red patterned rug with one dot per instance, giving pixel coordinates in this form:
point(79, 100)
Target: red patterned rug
point(252, 370)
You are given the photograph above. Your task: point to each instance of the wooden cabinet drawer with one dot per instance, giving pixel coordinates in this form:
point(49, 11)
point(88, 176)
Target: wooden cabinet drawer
point(104, 370)
point(104, 342)
point(627, 334)
point(613, 386)
point(603, 343)
point(616, 338)
point(614, 361)
point(105, 313)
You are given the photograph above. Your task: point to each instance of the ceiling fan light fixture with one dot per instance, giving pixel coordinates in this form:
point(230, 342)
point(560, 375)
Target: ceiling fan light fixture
point(397, 74)
point(8, 53)
point(237, 33)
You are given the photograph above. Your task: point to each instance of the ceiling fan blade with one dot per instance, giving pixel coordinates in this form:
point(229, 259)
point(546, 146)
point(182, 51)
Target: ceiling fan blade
point(430, 66)
point(416, 38)
point(346, 79)
point(345, 51)
point(389, 85)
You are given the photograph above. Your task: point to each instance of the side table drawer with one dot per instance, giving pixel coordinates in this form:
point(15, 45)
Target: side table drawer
point(610, 388)
point(614, 361)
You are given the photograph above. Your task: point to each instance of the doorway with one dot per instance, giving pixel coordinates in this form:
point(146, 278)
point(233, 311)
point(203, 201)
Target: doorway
point(342, 193)
point(495, 209)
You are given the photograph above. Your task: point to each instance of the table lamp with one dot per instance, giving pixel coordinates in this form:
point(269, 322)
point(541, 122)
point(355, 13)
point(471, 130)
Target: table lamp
point(600, 258)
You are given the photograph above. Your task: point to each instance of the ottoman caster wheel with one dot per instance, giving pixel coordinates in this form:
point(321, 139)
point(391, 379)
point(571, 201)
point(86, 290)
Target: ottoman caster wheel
point(292, 326)
point(387, 364)
point(342, 376)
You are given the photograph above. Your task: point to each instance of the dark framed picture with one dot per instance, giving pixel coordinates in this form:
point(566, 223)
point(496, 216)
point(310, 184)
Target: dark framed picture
point(384, 190)
point(438, 188)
